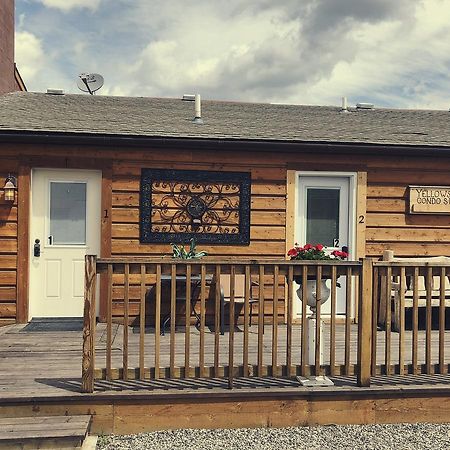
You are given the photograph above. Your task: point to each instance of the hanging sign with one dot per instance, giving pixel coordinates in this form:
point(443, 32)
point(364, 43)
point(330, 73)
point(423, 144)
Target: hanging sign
point(429, 199)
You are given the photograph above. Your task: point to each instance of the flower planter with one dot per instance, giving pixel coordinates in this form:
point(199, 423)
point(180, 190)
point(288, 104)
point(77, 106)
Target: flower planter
point(311, 292)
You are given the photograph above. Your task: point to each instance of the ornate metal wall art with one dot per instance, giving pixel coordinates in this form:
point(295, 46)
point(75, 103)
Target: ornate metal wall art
point(211, 207)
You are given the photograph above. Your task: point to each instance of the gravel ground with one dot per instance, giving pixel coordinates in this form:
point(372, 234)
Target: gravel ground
point(367, 437)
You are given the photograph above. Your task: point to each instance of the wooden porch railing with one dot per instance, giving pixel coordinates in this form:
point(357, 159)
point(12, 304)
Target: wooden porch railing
point(182, 299)
point(417, 345)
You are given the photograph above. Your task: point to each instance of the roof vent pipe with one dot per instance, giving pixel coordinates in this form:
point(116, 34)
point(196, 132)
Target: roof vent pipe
point(55, 91)
point(198, 109)
point(365, 106)
point(344, 108)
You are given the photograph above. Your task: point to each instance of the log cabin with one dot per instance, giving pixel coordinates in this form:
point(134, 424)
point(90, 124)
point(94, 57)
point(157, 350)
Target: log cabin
point(118, 177)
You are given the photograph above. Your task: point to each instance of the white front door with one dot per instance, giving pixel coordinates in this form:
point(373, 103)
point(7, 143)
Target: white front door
point(65, 225)
point(324, 215)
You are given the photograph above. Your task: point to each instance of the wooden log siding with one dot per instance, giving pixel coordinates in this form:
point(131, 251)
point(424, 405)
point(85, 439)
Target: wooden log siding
point(267, 230)
point(8, 250)
point(390, 226)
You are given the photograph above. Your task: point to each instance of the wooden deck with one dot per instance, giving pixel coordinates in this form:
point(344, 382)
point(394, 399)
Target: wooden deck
point(40, 373)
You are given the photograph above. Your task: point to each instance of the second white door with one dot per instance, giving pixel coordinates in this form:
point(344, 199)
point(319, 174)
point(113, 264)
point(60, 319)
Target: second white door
point(323, 217)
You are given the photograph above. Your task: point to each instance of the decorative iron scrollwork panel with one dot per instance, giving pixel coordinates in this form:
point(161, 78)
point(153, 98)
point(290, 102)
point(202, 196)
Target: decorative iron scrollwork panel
point(211, 207)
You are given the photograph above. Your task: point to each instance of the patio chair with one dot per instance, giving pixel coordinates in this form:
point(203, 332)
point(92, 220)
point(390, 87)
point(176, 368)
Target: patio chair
point(396, 288)
point(239, 297)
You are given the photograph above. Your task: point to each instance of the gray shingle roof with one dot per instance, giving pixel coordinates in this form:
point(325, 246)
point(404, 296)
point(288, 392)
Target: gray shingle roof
point(158, 117)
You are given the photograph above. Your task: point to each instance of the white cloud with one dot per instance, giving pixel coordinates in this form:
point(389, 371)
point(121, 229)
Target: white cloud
point(29, 54)
point(203, 51)
point(399, 64)
point(313, 52)
point(67, 5)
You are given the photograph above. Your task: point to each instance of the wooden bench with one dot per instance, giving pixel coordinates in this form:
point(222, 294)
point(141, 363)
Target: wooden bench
point(396, 288)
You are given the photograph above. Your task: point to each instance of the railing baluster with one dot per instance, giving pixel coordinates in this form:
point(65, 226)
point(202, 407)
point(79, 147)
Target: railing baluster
point(187, 321)
point(365, 296)
point(429, 286)
point(375, 305)
point(333, 322)
point(217, 321)
point(247, 294)
point(348, 311)
point(387, 351)
point(173, 312)
point(415, 320)
point(142, 325)
point(231, 331)
point(401, 339)
point(289, 321)
point(317, 356)
point(109, 323)
point(88, 359)
point(157, 320)
point(304, 343)
point(125, 321)
point(202, 319)
point(260, 320)
point(442, 320)
point(275, 322)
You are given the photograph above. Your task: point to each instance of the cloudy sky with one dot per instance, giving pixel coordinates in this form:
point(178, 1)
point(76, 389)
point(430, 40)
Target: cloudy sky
point(394, 53)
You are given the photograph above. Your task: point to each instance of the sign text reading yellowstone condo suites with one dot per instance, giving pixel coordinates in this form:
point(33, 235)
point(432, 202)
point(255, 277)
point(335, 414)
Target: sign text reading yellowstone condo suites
point(429, 200)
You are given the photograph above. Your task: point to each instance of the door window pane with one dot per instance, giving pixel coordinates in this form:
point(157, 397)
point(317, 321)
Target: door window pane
point(68, 213)
point(322, 216)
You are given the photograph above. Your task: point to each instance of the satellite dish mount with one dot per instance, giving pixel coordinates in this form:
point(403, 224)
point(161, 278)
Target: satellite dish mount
point(90, 82)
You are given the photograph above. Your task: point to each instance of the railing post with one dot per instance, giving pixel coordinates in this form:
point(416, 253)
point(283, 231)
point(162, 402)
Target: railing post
point(88, 361)
point(365, 322)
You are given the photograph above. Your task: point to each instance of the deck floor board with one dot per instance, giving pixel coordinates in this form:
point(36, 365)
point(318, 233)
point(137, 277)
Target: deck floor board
point(48, 364)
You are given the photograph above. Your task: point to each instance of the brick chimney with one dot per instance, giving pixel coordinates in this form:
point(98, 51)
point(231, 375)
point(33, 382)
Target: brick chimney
point(9, 80)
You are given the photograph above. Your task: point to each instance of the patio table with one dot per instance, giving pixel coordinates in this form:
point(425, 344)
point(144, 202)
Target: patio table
point(195, 286)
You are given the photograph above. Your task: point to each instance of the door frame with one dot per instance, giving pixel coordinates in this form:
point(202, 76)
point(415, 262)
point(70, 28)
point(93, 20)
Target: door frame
point(100, 243)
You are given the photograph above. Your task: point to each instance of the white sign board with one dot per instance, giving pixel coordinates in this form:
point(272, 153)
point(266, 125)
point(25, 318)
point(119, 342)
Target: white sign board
point(429, 199)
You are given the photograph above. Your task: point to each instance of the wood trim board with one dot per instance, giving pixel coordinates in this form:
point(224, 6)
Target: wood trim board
point(23, 240)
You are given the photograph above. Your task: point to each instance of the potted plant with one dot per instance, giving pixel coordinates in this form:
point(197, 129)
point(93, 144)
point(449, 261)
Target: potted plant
point(178, 251)
point(317, 252)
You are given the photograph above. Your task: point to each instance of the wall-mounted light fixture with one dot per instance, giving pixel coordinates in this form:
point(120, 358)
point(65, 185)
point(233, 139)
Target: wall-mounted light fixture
point(10, 188)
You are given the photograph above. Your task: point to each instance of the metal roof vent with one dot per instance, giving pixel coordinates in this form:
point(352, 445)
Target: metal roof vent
point(55, 91)
point(344, 108)
point(188, 97)
point(198, 110)
point(365, 106)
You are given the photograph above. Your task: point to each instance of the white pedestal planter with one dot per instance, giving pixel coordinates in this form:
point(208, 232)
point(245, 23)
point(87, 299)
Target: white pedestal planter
point(311, 293)
point(311, 325)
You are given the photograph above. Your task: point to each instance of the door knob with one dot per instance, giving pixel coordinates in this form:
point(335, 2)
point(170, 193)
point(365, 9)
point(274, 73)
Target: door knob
point(37, 248)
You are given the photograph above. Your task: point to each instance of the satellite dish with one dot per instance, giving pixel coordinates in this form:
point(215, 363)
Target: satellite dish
point(90, 82)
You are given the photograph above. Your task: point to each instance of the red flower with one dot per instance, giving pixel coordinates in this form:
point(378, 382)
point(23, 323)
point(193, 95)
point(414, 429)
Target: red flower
point(319, 247)
point(339, 254)
point(293, 252)
point(308, 247)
